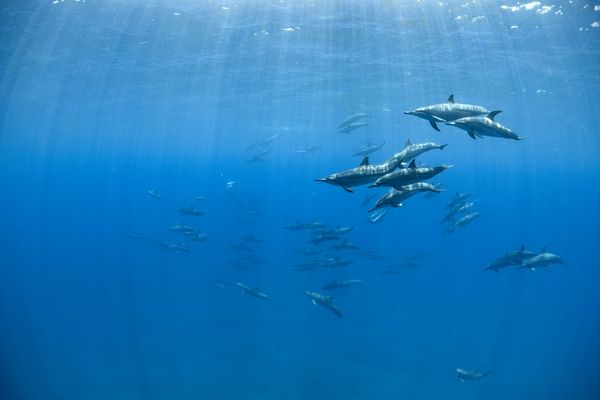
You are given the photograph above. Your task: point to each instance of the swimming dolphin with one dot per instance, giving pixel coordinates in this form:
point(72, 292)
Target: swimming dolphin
point(190, 211)
point(259, 156)
point(306, 150)
point(353, 118)
point(323, 238)
point(395, 197)
point(448, 111)
point(457, 199)
point(484, 125)
point(408, 175)
point(348, 283)
point(412, 151)
point(461, 223)
point(255, 291)
point(364, 174)
point(196, 236)
point(543, 259)
point(474, 375)
point(154, 194)
point(460, 206)
point(323, 301)
point(345, 245)
point(512, 258)
point(263, 142)
point(182, 228)
point(350, 127)
point(368, 149)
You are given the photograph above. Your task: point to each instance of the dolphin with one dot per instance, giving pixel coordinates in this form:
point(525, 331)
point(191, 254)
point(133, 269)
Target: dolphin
point(412, 151)
point(220, 283)
point(461, 223)
point(348, 283)
point(353, 118)
point(154, 194)
point(190, 211)
point(345, 245)
point(263, 142)
point(448, 111)
point(408, 175)
point(543, 259)
point(323, 301)
point(364, 174)
point(298, 226)
point(306, 150)
point(323, 238)
point(460, 197)
point(350, 127)
point(455, 209)
point(196, 236)
point(395, 197)
point(182, 228)
point(473, 375)
point(255, 291)
point(484, 125)
point(368, 149)
point(259, 156)
point(512, 258)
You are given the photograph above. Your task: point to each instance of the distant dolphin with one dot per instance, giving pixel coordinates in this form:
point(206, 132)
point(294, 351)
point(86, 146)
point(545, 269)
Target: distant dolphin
point(408, 175)
point(368, 149)
point(461, 223)
point(484, 125)
point(348, 283)
point(457, 199)
point(364, 174)
point(474, 375)
point(512, 258)
point(323, 301)
point(543, 259)
point(255, 291)
point(353, 118)
point(412, 151)
point(154, 194)
point(448, 111)
point(350, 127)
point(190, 211)
point(395, 197)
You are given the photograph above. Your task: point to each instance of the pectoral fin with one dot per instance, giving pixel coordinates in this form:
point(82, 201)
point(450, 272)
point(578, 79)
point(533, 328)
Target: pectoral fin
point(434, 125)
point(348, 189)
point(472, 134)
point(314, 302)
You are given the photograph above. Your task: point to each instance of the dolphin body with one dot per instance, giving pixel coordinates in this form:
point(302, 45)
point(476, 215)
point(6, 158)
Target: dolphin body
point(368, 149)
point(350, 127)
point(411, 174)
point(255, 291)
point(364, 174)
point(154, 194)
point(464, 221)
point(348, 283)
point(484, 125)
point(345, 245)
point(323, 301)
point(474, 375)
point(448, 111)
point(459, 198)
point(512, 258)
point(395, 197)
point(190, 211)
point(543, 259)
point(412, 151)
point(352, 119)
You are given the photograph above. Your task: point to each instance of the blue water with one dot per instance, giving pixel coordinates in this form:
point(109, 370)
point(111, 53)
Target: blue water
point(103, 100)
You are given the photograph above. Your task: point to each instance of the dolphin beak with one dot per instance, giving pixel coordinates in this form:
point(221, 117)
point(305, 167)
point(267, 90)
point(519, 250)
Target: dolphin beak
point(322, 180)
point(409, 112)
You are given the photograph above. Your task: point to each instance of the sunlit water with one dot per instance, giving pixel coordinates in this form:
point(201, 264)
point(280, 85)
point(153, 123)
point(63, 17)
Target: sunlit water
point(102, 101)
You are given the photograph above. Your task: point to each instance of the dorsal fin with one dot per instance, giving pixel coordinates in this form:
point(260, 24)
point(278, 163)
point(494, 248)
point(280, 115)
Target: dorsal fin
point(492, 114)
point(365, 161)
point(413, 164)
point(408, 143)
point(451, 99)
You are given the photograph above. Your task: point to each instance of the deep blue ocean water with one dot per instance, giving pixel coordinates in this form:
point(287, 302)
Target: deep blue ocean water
point(102, 101)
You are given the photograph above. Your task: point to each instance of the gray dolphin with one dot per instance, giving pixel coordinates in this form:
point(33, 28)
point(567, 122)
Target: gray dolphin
point(345, 245)
point(484, 125)
point(543, 259)
point(364, 174)
point(154, 194)
point(412, 151)
point(471, 375)
point(448, 111)
point(464, 221)
point(395, 197)
point(348, 283)
point(350, 127)
point(457, 199)
point(408, 175)
point(191, 210)
point(255, 291)
point(368, 149)
point(353, 118)
point(512, 258)
point(323, 301)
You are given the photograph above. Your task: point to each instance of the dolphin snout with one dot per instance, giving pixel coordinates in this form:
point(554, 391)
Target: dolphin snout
point(409, 112)
point(322, 180)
